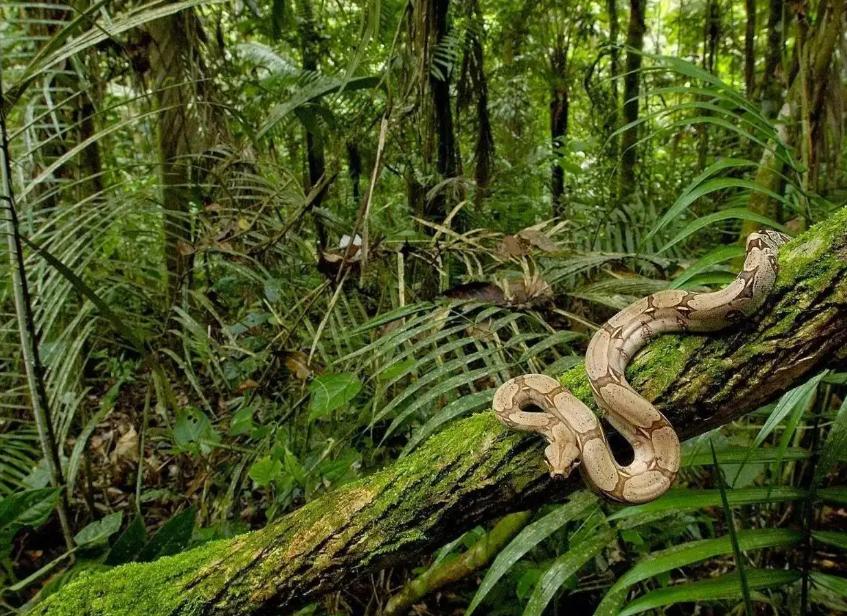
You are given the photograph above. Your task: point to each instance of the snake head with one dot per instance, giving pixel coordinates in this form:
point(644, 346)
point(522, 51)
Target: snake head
point(562, 457)
point(767, 238)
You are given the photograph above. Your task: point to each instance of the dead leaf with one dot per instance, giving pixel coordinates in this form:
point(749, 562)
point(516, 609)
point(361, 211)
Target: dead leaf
point(480, 291)
point(513, 246)
point(538, 239)
point(297, 363)
point(247, 384)
point(127, 445)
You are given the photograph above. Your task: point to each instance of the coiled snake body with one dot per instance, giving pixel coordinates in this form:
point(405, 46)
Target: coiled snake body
point(573, 431)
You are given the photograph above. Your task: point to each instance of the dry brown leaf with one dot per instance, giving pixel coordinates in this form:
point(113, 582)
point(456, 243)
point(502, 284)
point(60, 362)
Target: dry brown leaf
point(127, 446)
point(538, 239)
point(297, 363)
point(513, 246)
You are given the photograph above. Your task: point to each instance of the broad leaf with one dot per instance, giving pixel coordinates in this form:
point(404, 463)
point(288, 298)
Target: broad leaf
point(332, 391)
point(100, 530)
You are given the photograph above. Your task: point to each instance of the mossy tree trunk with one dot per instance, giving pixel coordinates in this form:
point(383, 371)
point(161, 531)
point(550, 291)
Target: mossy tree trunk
point(476, 470)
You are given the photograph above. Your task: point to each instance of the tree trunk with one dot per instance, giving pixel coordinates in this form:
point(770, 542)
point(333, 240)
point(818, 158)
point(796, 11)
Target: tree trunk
point(559, 110)
point(631, 87)
point(447, 162)
point(172, 66)
point(430, 27)
point(773, 82)
point(315, 156)
point(354, 170)
point(817, 58)
point(750, 48)
point(711, 35)
point(484, 148)
point(476, 469)
point(614, 75)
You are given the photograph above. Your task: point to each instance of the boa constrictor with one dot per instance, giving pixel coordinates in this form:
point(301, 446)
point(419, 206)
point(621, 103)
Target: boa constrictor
point(573, 431)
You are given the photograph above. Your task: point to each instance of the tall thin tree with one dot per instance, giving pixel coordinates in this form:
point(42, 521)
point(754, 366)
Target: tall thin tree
point(631, 92)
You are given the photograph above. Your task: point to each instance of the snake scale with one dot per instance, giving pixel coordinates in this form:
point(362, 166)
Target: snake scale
point(574, 434)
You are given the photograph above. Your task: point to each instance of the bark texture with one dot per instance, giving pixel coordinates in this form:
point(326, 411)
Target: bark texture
point(559, 112)
point(477, 470)
point(631, 90)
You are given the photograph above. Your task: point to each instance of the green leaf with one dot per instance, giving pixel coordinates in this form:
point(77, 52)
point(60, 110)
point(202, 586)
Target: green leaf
point(679, 500)
point(697, 188)
point(579, 505)
point(564, 567)
point(313, 92)
point(332, 391)
point(129, 544)
point(293, 467)
point(834, 446)
point(193, 431)
point(173, 537)
point(798, 398)
point(723, 587)
point(396, 369)
point(833, 495)
point(100, 530)
point(242, 422)
point(265, 470)
point(664, 561)
point(833, 583)
point(710, 259)
point(738, 455)
point(84, 289)
point(30, 508)
point(831, 537)
point(727, 214)
point(733, 535)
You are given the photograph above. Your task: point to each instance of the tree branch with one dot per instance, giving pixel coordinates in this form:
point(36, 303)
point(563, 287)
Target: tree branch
point(476, 470)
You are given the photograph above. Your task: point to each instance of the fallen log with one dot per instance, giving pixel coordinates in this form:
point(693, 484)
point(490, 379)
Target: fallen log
point(476, 470)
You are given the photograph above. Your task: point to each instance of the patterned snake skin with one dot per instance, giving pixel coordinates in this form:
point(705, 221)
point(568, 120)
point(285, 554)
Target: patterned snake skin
point(573, 431)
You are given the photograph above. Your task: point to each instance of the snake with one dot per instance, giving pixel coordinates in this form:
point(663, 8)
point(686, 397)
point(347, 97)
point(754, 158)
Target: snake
point(574, 434)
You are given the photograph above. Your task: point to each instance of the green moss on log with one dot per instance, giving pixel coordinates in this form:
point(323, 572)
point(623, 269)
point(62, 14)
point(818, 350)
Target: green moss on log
point(476, 470)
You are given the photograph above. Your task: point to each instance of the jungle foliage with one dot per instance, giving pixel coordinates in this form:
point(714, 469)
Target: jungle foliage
point(257, 250)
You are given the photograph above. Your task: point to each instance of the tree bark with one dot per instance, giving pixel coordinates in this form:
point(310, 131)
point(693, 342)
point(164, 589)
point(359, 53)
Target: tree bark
point(477, 470)
point(447, 161)
point(614, 75)
point(816, 56)
point(559, 111)
point(173, 63)
point(631, 88)
point(315, 155)
point(475, 63)
point(750, 48)
point(429, 29)
point(772, 84)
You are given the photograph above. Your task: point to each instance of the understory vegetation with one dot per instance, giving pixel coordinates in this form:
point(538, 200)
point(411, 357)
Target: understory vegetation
point(258, 249)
